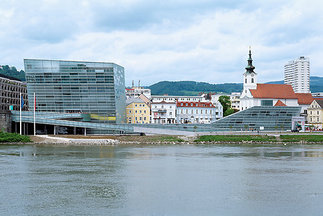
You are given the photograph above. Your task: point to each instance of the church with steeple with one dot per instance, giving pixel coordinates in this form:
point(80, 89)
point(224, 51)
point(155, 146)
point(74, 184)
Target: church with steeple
point(249, 82)
point(255, 94)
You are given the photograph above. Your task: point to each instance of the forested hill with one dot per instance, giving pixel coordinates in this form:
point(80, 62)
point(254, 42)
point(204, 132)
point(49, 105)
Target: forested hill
point(12, 72)
point(187, 88)
point(192, 88)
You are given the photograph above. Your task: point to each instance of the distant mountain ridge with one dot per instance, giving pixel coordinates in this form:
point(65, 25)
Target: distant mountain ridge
point(190, 88)
point(185, 88)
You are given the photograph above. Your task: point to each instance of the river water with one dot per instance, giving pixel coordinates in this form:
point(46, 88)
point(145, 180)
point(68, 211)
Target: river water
point(161, 180)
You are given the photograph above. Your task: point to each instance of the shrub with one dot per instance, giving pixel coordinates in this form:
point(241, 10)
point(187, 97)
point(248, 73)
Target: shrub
point(13, 137)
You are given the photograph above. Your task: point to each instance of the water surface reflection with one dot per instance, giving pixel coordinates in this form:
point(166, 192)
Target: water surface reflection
point(161, 180)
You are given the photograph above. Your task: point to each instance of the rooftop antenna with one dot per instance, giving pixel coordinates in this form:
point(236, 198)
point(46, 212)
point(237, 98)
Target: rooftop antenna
point(139, 84)
point(133, 83)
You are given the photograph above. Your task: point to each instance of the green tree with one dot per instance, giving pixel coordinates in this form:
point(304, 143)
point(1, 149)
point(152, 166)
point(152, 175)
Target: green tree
point(228, 112)
point(226, 103)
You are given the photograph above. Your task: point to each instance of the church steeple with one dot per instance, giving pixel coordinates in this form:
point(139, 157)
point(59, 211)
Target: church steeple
point(250, 67)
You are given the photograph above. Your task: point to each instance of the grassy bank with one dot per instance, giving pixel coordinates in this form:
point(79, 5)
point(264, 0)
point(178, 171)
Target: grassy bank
point(235, 138)
point(13, 138)
point(261, 138)
point(302, 138)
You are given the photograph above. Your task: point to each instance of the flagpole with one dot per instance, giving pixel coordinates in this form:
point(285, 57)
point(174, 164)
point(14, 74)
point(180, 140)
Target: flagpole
point(20, 116)
point(34, 114)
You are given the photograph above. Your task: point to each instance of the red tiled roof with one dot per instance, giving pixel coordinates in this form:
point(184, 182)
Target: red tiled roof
point(277, 91)
point(280, 103)
point(304, 98)
point(194, 104)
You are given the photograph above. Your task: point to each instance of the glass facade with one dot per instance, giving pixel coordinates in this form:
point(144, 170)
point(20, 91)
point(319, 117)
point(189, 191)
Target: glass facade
point(95, 88)
point(268, 118)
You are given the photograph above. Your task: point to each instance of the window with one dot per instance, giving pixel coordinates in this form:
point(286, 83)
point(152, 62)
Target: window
point(245, 81)
point(252, 80)
point(266, 102)
point(145, 118)
point(170, 113)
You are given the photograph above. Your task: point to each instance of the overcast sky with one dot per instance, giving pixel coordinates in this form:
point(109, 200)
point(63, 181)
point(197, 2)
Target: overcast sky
point(199, 40)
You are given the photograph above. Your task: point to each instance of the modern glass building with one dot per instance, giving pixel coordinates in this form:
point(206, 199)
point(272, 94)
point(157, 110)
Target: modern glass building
point(94, 88)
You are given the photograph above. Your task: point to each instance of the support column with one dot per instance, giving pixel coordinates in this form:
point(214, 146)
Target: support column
point(74, 130)
point(54, 129)
point(84, 131)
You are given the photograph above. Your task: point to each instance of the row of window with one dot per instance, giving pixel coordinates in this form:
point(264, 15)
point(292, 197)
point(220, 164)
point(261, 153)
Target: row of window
point(252, 80)
point(187, 111)
point(140, 111)
point(139, 105)
point(137, 118)
point(312, 119)
point(313, 112)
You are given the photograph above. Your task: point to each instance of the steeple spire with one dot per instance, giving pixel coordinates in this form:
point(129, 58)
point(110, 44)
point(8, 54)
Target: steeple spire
point(250, 67)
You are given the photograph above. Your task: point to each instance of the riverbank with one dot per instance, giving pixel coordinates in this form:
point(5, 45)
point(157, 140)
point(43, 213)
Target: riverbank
point(166, 139)
point(108, 139)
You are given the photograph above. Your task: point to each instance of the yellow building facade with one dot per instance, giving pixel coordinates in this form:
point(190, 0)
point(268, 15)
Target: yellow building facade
point(138, 112)
point(315, 114)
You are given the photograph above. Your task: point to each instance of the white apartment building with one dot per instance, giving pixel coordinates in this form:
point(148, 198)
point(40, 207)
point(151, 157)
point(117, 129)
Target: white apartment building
point(135, 92)
point(297, 74)
point(195, 112)
point(235, 100)
point(163, 112)
point(201, 98)
point(317, 94)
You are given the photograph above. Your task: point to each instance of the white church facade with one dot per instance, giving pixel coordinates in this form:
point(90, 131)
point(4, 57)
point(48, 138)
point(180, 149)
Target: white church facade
point(254, 94)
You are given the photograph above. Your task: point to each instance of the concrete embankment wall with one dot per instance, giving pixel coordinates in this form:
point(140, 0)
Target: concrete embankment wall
point(5, 121)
